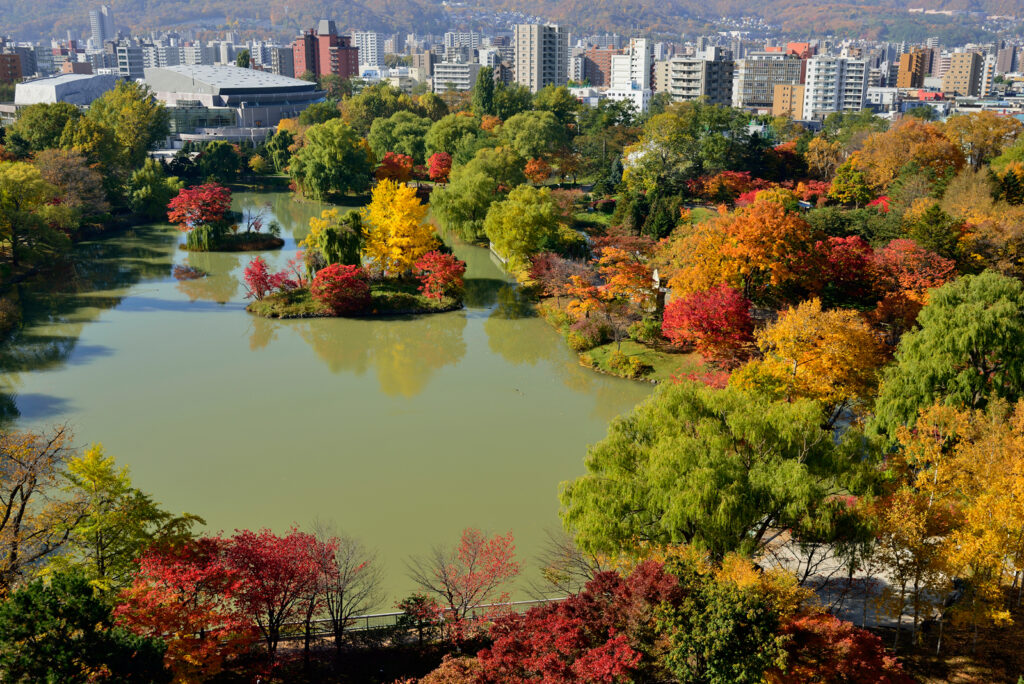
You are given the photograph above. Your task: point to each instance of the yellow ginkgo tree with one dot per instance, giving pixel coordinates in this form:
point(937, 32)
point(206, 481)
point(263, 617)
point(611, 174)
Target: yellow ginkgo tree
point(395, 234)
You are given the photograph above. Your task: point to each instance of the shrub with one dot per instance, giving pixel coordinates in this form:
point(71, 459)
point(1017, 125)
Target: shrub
point(440, 275)
point(585, 334)
point(646, 331)
point(554, 315)
point(627, 366)
point(342, 288)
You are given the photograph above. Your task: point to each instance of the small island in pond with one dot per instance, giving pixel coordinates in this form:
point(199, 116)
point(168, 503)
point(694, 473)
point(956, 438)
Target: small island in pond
point(203, 213)
point(406, 272)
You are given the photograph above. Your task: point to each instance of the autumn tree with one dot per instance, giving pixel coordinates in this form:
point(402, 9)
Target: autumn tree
point(553, 273)
point(463, 204)
point(519, 225)
point(467, 576)
point(184, 594)
point(200, 205)
point(716, 322)
point(395, 234)
point(623, 290)
point(138, 120)
point(831, 357)
point(341, 289)
point(79, 186)
point(983, 135)
point(440, 275)
point(911, 140)
point(964, 354)
point(396, 167)
point(850, 186)
point(333, 238)
point(440, 166)
point(39, 126)
point(823, 157)
point(715, 468)
point(30, 217)
point(537, 170)
point(35, 520)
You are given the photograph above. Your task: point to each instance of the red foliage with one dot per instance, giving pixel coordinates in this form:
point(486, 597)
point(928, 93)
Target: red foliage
point(275, 576)
point(592, 636)
point(342, 288)
point(537, 171)
point(199, 205)
point(726, 186)
point(881, 203)
point(184, 594)
point(440, 164)
point(824, 648)
point(396, 167)
point(813, 190)
point(717, 379)
point(716, 322)
point(623, 239)
point(904, 267)
point(845, 264)
point(259, 281)
point(439, 274)
point(552, 273)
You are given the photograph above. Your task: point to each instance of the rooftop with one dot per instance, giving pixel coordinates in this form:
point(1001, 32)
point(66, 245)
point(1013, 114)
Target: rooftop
point(217, 79)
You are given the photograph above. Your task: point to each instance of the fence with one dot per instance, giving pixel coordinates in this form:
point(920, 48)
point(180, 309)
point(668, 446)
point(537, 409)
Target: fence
point(389, 621)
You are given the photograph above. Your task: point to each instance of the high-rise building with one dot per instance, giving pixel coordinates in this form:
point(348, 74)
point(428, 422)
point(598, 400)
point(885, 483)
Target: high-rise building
point(709, 75)
point(423, 64)
point(597, 66)
point(788, 100)
point(130, 64)
point(641, 62)
point(101, 26)
point(988, 76)
point(541, 55)
point(322, 51)
point(371, 47)
point(834, 84)
point(757, 75)
point(10, 68)
point(963, 76)
point(454, 76)
point(913, 67)
point(459, 39)
point(1006, 60)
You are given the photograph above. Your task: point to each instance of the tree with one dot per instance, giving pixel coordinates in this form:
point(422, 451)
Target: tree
point(395, 235)
point(821, 647)
point(624, 291)
point(275, 574)
point(396, 167)
point(118, 522)
point(440, 164)
point(139, 121)
point(403, 132)
point(714, 468)
point(440, 275)
point(318, 113)
point(184, 594)
point(483, 92)
point(258, 165)
point(537, 171)
point(80, 186)
point(342, 289)
point(40, 126)
point(376, 101)
point(845, 276)
point(35, 521)
point(831, 357)
point(559, 101)
point(98, 143)
point(29, 215)
point(150, 190)
point(462, 205)
point(850, 186)
point(242, 59)
point(61, 631)
point(201, 205)
point(518, 225)
point(334, 239)
point(218, 162)
point(468, 576)
point(716, 322)
point(937, 231)
point(823, 157)
point(433, 106)
point(451, 134)
point(533, 134)
point(511, 99)
point(910, 141)
point(279, 149)
point(964, 354)
point(260, 281)
point(333, 161)
point(982, 135)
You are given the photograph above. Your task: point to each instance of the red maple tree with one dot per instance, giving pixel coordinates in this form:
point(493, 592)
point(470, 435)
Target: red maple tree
point(537, 170)
point(716, 322)
point(396, 167)
point(440, 164)
point(439, 274)
point(845, 265)
point(205, 204)
point(342, 288)
point(259, 281)
point(185, 594)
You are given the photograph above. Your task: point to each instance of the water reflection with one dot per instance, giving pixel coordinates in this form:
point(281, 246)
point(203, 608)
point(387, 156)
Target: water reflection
point(219, 285)
point(404, 352)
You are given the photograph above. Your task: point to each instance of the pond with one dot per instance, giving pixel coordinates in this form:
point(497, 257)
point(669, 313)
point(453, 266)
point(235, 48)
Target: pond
point(400, 431)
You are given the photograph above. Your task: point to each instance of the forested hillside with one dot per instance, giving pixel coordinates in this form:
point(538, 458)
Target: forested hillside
point(864, 18)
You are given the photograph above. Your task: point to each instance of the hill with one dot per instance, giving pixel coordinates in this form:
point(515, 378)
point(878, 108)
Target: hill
point(876, 19)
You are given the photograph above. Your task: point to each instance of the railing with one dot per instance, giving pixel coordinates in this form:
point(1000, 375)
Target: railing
point(386, 621)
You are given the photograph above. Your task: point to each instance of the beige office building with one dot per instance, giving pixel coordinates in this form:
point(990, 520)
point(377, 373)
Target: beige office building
point(963, 77)
point(788, 101)
point(912, 69)
point(542, 55)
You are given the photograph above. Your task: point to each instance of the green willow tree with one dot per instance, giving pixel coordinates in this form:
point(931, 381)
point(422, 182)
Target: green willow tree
point(403, 132)
point(462, 204)
point(333, 161)
point(719, 469)
point(966, 352)
point(150, 189)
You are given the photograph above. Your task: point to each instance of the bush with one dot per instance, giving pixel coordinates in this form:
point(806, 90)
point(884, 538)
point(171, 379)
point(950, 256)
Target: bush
point(342, 288)
point(440, 275)
point(554, 315)
point(585, 334)
point(627, 366)
point(646, 331)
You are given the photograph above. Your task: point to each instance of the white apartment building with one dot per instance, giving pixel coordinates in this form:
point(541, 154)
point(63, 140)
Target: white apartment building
point(371, 47)
point(834, 84)
point(541, 55)
point(455, 76)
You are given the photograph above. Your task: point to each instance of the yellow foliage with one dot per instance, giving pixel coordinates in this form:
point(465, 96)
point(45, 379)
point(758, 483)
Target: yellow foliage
point(918, 208)
point(395, 233)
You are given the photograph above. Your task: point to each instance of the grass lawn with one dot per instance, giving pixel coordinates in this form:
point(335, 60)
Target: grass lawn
point(387, 298)
point(591, 221)
point(700, 214)
point(663, 364)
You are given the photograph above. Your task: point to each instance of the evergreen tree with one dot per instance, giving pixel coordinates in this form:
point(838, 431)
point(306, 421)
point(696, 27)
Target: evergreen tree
point(483, 93)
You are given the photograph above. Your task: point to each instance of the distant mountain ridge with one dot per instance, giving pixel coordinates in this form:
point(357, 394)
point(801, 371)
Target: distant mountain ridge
point(867, 18)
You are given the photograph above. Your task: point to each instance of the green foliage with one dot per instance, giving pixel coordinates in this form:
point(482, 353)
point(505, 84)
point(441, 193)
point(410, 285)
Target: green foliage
point(137, 119)
point(451, 134)
point(533, 134)
point(850, 187)
point(333, 161)
point(334, 239)
point(714, 468)
point(483, 92)
point(722, 633)
point(517, 226)
point(843, 126)
point(462, 205)
point(510, 100)
point(434, 108)
point(277, 149)
point(218, 162)
point(377, 101)
point(39, 126)
point(30, 220)
point(403, 132)
point(559, 101)
point(937, 231)
point(876, 227)
point(242, 59)
point(319, 112)
point(61, 633)
point(150, 189)
point(966, 352)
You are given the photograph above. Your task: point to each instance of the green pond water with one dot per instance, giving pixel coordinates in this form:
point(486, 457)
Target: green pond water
point(400, 431)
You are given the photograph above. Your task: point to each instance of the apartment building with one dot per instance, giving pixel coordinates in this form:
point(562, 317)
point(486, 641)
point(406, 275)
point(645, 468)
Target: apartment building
point(758, 73)
point(912, 69)
point(692, 78)
point(541, 55)
point(371, 47)
point(788, 101)
point(834, 84)
point(963, 76)
point(322, 51)
point(459, 76)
